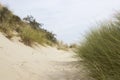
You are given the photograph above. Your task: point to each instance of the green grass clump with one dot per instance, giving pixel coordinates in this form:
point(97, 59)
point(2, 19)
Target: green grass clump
point(101, 51)
point(28, 35)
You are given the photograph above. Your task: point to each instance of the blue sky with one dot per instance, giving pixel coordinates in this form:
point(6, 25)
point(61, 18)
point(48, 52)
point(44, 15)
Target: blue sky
point(70, 20)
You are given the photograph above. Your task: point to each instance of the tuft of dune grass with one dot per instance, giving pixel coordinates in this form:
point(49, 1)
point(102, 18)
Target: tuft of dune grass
point(29, 36)
point(101, 51)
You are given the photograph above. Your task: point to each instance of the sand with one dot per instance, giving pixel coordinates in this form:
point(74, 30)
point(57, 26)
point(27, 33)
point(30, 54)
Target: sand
point(21, 62)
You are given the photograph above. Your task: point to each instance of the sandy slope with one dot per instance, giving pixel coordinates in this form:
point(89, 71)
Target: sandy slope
point(20, 62)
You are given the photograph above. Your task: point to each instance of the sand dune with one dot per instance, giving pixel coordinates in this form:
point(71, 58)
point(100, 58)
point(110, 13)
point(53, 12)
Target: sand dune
point(21, 62)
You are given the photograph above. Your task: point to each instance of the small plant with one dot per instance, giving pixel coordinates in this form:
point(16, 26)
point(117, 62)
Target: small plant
point(62, 46)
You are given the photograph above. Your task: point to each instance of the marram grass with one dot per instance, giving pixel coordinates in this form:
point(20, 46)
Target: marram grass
point(101, 52)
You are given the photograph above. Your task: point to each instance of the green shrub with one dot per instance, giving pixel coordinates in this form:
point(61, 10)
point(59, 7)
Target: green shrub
point(101, 52)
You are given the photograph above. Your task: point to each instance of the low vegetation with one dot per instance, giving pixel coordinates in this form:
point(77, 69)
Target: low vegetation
point(62, 46)
point(28, 29)
point(101, 51)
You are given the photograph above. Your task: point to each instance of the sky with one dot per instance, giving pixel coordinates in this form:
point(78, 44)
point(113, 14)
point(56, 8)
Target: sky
point(70, 20)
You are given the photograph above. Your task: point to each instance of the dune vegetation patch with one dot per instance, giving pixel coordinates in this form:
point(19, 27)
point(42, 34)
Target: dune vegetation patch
point(28, 28)
point(100, 51)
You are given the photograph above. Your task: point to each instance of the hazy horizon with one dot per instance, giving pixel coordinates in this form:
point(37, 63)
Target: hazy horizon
point(68, 19)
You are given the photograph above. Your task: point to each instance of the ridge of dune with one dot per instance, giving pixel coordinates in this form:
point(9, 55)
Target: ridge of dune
point(21, 62)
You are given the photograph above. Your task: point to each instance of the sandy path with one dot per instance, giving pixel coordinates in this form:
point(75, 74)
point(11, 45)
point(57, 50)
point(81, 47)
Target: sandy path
point(20, 62)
